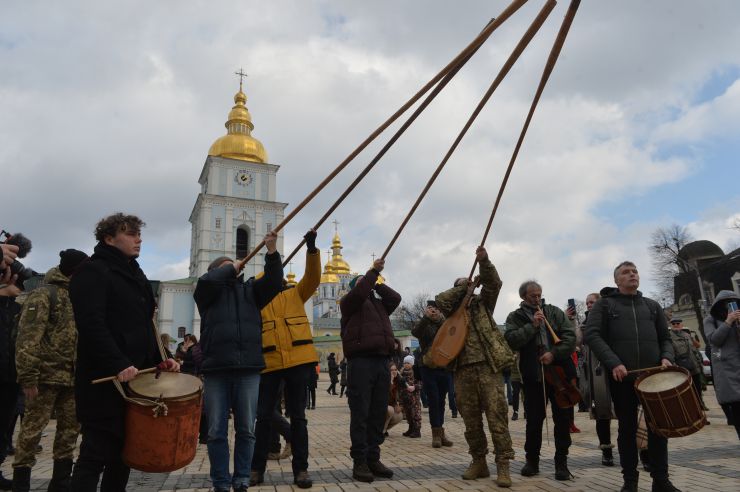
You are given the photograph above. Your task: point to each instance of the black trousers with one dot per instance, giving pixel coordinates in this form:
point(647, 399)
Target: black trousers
point(625, 406)
point(100, 452)
point(603, 430)
point(368, 385)
point(516, 388)
point(534, 406)
point(311, 397)
point(295, 379)
point(8, 398)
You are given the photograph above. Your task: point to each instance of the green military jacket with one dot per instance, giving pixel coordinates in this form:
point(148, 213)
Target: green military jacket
point(47, 337)
point(484, 342)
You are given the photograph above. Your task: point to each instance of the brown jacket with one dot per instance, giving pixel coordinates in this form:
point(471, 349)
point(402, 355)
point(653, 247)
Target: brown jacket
point(366, 327)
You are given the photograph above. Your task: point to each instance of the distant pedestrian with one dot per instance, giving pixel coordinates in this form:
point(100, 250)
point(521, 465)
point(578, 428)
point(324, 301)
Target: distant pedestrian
point(311, 388)
point(333, 374)
point(343, 376)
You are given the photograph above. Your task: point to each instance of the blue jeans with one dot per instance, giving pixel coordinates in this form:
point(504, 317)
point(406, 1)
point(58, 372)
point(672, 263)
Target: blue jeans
point(436, 382)
point(237, 391)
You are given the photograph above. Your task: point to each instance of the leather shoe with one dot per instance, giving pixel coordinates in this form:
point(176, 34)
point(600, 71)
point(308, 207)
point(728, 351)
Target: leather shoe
point(361, 472)
point(303, 480)
point(256, 478)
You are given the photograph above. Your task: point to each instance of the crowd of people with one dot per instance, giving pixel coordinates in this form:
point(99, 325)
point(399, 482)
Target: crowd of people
point(93, 317)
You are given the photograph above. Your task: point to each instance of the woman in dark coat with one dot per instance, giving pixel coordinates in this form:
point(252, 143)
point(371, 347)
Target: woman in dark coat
point(343, 377)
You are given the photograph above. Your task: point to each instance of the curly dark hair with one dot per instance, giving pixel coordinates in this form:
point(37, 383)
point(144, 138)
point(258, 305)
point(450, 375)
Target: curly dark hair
point(111, 225)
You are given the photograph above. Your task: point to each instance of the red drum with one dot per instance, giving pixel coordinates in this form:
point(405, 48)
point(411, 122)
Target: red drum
point(162, 421)
point(669, 401)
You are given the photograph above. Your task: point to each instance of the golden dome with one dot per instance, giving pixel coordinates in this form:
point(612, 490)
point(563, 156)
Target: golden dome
point(338, 265)
point(329, 277)
point(239, 143)
point(290, 278)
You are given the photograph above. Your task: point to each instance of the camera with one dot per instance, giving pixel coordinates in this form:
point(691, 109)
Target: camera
point(24, 247)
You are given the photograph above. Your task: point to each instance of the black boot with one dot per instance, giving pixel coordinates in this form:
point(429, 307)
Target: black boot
point(530, 468)
point(21, 479)
point(607, 457)
point(630, 485)
point(61, 477)
point(561, 468)
point(663, 485)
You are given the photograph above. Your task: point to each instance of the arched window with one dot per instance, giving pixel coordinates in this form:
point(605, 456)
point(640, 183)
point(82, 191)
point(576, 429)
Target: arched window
point(242, 241)
point(332, 291)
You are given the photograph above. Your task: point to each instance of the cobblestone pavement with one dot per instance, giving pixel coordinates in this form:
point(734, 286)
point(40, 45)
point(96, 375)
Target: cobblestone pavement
point(708, 460)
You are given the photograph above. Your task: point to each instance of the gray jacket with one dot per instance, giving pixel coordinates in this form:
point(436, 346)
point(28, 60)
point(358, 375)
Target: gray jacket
point(628, 329)
point(725, 342)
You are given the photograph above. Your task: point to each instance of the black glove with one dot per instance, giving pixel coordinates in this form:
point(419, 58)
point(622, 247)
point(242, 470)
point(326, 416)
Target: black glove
point(310, 238)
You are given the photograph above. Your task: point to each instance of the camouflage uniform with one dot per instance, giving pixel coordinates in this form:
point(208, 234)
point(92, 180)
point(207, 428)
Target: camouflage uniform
point(478, 368)
point(45, 358)
point(411, 402)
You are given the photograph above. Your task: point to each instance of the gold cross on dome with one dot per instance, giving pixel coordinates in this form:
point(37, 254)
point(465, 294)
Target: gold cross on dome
point(241, 75)
point(335, 224)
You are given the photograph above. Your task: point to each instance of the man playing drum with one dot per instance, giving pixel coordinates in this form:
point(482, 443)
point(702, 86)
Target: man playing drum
point(113, 308)
point(628, 332)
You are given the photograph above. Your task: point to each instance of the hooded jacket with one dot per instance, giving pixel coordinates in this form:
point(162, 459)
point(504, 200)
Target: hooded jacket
point(725, 342)
point(286, 334)
point(46, 347)
point(629, 330)
point(365, 324)
point(113, 307)
point(231, 326)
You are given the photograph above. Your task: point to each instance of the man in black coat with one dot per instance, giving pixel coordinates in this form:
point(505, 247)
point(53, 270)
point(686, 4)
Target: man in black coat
point(231, 340)
point(114, 309)
point(9, 310)
point(628, 332)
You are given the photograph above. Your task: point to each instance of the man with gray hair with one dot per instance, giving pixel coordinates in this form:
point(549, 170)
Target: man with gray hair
point(628, 332)
point(527, 331)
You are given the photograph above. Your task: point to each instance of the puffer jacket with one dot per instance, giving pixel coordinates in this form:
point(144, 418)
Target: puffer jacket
point(484, 342)
point(286, 333)
point(231, 326)
point(629, 330)
point(46, 347)
point(523, 336)
point(725, 342)
point(365, 324)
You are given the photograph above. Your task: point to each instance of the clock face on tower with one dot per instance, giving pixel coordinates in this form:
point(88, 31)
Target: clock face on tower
point(243, 178)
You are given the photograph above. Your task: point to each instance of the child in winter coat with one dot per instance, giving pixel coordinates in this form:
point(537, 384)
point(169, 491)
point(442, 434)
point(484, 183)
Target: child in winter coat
point(410, 398)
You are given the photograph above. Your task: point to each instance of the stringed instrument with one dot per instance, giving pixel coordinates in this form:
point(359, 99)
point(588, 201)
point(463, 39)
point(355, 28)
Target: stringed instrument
point(565, 391)
point(450, 338)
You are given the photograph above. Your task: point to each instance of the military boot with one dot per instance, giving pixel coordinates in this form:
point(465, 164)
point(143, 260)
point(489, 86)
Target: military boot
point(445, 442)
point(436, 439)
point(478, 468)
point(61, 478)
point(561, 468)
point(21, 479)
point(503, 477)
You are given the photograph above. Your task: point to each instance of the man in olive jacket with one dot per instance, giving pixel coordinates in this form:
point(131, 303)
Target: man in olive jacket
point(231, 337)
point(46, 349)
point(626, 332)
point(479, 382)
point(367, 341)
point(526, 331)
point(290, 357)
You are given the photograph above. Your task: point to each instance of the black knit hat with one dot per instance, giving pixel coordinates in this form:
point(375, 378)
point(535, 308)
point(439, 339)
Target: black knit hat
point(71, 259)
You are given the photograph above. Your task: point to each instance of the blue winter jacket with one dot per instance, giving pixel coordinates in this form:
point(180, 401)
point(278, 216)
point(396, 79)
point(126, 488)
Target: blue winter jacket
point(231, 325)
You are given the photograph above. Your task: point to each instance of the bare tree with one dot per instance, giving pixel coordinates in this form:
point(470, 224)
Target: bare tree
point(665, 245)
point(412, 310)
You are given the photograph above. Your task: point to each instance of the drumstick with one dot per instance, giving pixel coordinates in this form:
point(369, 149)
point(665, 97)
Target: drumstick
point(646, 369)
point(111, 378)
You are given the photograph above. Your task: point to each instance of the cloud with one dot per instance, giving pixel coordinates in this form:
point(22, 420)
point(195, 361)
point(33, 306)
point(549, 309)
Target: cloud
point(108, 109)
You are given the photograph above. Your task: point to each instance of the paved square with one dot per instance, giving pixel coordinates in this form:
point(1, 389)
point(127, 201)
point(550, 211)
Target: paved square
point(708, 460)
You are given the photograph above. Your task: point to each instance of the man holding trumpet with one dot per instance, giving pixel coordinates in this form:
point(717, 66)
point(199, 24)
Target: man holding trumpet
point(544, 336)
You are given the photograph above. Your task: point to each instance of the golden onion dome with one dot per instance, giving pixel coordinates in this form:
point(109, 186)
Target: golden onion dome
point(338, 264)
point(329, 277)
point(238, 143)
point(290, 278)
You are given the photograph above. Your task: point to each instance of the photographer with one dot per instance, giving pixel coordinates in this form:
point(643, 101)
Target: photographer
point(9, 310)
point(16, 246)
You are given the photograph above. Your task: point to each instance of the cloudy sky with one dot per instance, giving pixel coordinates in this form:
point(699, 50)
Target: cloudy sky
point(107, 107)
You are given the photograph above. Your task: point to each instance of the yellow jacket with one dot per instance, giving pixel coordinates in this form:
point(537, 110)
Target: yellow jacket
point(286, 334)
